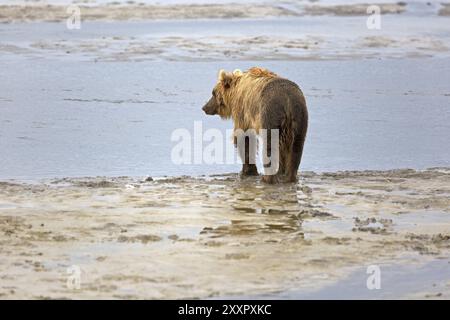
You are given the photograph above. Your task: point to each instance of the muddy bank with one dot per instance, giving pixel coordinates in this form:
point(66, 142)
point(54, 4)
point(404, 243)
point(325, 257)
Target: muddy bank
point(205, 40)
point(354, 9)
point(10, 13)
point(218, 48)
point(142, 11)
point(218, 236)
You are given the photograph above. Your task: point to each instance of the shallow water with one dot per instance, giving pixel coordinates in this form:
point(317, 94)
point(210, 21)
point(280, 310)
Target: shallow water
point(102, 101)
point(397, 282)
point(105, 99)
point(70, 118)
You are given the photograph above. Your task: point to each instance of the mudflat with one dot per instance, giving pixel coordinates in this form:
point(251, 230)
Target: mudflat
point(220, 236)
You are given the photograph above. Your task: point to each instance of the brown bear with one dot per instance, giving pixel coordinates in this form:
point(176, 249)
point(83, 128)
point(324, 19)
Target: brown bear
point(259, 99)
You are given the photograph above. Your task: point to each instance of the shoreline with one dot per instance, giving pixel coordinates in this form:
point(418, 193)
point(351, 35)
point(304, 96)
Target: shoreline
point(211, 176)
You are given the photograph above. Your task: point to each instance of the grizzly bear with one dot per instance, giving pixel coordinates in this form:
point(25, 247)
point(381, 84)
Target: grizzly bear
point(259, 99)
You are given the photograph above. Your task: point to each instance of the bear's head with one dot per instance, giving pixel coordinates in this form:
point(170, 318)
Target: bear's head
point(217, 104)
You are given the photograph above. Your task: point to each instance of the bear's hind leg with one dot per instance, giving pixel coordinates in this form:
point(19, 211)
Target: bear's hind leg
point(271, 158)
point(283, 164)
point(249, 170)
point(294, 159)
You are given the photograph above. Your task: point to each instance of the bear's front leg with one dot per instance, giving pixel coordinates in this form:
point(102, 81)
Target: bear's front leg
point(246, 144)
point(270, 179)
point(249, 170)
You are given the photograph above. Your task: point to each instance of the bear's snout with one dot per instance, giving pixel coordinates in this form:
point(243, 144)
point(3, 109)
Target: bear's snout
point(209, 108)
point(208, 111)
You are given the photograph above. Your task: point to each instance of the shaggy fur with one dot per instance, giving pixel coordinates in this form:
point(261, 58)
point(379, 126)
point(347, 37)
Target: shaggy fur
point(259, 99)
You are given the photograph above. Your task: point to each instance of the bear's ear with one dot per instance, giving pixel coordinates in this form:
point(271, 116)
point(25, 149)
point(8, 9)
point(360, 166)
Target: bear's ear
point(225, 78)
point(237, 73)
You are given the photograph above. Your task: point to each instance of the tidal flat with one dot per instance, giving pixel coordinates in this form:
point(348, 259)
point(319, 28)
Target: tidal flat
point(226, 236)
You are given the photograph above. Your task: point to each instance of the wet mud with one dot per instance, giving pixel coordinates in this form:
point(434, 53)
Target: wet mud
point(218, 236)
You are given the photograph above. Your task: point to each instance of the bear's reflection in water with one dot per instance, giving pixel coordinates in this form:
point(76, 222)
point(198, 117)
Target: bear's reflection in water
point(261, 209)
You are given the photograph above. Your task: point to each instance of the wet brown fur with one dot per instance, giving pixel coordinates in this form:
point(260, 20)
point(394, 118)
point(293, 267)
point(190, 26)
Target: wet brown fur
point(260, 99)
